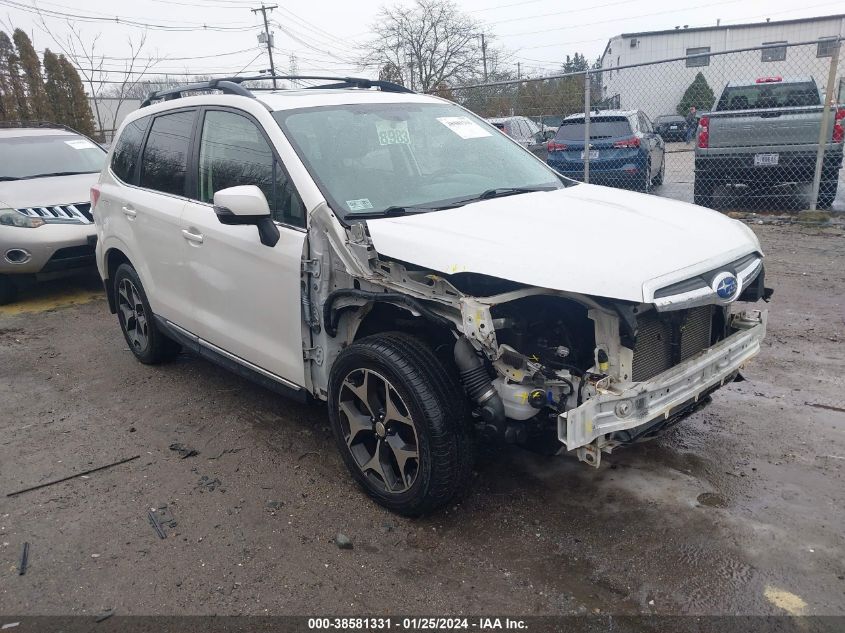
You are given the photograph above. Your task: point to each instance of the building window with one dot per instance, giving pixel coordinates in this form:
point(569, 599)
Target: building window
point(774, 51)
point(694, 62)
point(825, 47)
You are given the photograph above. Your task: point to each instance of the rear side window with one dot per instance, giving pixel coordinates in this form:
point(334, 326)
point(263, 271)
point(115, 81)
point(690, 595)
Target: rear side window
point(128, 149)
point(769, 95)
point(165, 160)
point(600, 127)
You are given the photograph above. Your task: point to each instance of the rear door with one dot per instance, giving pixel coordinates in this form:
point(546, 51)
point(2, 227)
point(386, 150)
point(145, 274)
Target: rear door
point(246, 295)
point(153, 213)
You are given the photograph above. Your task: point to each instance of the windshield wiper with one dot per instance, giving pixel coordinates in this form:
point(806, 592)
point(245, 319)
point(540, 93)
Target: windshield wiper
point(501, 192)
point(391, 212)
point(57, 173)
point(4, 178)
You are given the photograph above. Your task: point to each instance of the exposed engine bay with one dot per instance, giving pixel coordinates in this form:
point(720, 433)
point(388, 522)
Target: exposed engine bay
point(549, 370)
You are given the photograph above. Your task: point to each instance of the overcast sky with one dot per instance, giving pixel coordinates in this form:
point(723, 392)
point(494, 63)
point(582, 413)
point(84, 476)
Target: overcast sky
point(329, 35)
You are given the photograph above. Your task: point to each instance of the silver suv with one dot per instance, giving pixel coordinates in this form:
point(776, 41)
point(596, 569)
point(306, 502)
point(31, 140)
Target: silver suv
point(46, 226)
point(396, 256)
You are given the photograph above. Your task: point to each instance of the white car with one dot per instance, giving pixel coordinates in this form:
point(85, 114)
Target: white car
point(46, 226)
point(394, 255)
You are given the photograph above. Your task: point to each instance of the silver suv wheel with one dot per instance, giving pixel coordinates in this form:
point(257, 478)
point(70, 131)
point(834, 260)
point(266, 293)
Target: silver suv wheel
point(379, 431)
point(133, 318)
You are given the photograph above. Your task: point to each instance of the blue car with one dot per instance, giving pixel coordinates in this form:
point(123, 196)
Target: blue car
point(624, 150)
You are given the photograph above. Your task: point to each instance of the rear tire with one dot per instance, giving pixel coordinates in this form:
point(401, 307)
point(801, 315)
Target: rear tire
point(645, 184)
point(147, 342)
point(658, 179)
point(827, 194)
point(702, 192)
point(400, 422)
point(8, 290)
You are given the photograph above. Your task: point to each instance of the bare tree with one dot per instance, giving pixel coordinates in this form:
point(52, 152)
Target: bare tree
point(426, 45)
point(83, 52)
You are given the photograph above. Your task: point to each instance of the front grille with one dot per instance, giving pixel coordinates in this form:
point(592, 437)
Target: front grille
point(79, 213)
point(664, 339)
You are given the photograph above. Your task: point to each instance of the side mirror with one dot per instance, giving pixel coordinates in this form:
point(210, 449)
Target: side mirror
point(246, 204)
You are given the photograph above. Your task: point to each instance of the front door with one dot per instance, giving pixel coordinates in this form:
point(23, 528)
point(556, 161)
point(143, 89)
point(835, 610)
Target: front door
point(246, 296)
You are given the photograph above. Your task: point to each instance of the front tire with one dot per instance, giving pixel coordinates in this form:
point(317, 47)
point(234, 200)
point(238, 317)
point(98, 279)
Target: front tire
point(400, 422)
point(147, 342)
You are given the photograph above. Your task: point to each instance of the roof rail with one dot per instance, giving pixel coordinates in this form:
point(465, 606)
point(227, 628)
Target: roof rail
point(232, 85)
point(41, 124)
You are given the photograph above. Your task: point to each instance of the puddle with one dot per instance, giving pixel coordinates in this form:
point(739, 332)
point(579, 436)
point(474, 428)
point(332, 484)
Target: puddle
point(712, 500)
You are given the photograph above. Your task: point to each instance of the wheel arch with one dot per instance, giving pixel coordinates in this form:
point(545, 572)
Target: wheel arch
point(114, 257)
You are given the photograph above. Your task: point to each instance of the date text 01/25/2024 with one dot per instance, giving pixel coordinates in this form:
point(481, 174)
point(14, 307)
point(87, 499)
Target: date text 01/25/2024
point(416, 624)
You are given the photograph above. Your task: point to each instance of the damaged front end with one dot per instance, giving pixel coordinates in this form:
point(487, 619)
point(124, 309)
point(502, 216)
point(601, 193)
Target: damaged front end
point(554, 371)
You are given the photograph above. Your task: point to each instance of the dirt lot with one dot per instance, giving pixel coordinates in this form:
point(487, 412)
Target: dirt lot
point(740, 509)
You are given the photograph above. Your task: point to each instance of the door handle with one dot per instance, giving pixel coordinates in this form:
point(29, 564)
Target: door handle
point(192, 237)
point(129, 212)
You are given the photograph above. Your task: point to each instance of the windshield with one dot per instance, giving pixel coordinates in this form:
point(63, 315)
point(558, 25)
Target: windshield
point(24, 157)
point(769, 95)
point(600, 127)
point(368, 158)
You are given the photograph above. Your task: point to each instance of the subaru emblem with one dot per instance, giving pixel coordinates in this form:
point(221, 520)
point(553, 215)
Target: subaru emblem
point(726, 286)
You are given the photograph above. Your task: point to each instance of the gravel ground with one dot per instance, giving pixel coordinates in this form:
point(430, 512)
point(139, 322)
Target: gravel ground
point(737, 510)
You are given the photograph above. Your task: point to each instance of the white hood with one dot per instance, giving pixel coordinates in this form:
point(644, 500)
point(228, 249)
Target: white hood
point(46, 192)
point(585, 239)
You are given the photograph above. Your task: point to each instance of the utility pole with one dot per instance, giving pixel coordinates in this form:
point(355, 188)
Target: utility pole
point(518, 70)
point(268, 38)
point(484, 55)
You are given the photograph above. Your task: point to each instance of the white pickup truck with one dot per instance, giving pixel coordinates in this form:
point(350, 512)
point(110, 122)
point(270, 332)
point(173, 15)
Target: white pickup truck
point(763, 137)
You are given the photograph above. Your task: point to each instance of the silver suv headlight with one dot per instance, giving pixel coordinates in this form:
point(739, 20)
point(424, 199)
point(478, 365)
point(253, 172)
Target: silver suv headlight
point(10, 217)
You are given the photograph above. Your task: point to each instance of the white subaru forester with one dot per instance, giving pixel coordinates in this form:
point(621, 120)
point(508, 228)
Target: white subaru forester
point(398, 257)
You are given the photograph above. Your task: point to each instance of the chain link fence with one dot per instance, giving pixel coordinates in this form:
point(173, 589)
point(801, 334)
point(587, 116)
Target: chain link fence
point(734, 130)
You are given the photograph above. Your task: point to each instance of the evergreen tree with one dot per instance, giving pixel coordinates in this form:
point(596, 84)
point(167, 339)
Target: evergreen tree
point(12, 95)
point(79, 109)
point(576, 63)
point(30, 65)
point(698, 94)
point(55, 85)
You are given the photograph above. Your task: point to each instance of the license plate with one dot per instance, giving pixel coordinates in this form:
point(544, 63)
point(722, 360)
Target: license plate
point(594, 154)
point(765, 159)
point(673, 127)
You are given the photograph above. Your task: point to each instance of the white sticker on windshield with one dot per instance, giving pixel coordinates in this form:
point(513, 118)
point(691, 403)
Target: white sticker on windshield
point(80, 143)
point(463, 126)
point(393, 133)
point(359, 205)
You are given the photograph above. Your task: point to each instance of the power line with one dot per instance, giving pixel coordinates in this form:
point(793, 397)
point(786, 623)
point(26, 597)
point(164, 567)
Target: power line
point(176, 59)
point(567, 12)
point(308, 45)
point(319, 32)
point(641, 15)
point(504, 6)
point(117, 20)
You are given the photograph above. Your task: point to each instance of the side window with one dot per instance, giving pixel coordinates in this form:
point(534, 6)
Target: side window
point(234, 152)
point(128, 148)
point(165, 160)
